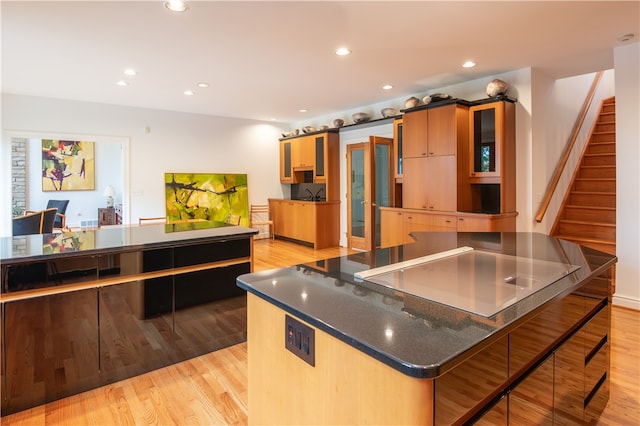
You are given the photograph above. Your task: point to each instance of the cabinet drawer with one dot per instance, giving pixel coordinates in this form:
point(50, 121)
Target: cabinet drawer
point(596, 330)
point(597, 367)
point(431, 220)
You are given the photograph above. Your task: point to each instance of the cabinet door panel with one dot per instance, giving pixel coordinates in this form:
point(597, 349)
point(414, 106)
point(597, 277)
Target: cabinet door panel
point(52, 349)
point(285, 162)
point(414, 192)
point(441, 131)
point(440, 184)
point(415, 132)
point(531, 402)
point(392, 233)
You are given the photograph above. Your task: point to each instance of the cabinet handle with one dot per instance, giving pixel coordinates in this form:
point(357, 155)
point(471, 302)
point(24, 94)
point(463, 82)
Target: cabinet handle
point(423, 153)
point(461, 219)
point(431, 153)
point(431, 207)
point(447, 221)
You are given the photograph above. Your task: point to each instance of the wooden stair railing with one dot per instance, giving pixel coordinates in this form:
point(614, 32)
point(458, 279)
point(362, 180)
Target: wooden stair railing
point(562, 163)
point(588, 212)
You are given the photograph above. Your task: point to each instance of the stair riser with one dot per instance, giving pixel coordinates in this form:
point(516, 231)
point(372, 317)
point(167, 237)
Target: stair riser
point(595, 200)
point(599, 160)
point(589, 215)
point(595, 186)
point(603, 247)
point(596, 232)
point(598, 172)
point(603, 126)
point(608, 108)
point(602, 148)
point(603, 137)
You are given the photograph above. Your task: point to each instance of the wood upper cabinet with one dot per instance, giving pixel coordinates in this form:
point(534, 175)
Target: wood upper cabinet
point(286, 173)
point(492, 156)
point(398, 142)
point(303, 153)
point(317, 153)
point(491, 139)
point(430, 132)
point(435, 159)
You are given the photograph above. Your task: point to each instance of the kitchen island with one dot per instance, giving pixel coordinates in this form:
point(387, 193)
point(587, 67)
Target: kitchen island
point(502, 328)
point(83, 309)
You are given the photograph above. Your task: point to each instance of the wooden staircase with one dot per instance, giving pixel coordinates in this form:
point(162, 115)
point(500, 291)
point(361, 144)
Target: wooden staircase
point(588, 213)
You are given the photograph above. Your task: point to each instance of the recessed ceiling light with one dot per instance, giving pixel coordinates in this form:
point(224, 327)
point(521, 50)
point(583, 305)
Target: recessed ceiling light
point(203, 84)
point(343, 51)
point(469, 64)
point(303, 110)
point(122, 83)
point(387, 87)
point(189, 92)
point(130, 72)
point(176, 5)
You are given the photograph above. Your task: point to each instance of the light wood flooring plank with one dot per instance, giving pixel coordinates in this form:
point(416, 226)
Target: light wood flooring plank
point(212, 389)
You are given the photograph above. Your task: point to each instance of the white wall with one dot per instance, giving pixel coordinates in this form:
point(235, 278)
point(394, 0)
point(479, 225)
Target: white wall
point(109, 170)
point(176, 142)
point(627, 66)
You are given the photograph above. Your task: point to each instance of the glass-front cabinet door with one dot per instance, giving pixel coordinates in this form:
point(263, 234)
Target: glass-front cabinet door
point(486, 139)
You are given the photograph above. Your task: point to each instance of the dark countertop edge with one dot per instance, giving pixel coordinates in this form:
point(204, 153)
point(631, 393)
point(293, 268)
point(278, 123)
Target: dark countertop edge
point(416, 371)
point(126, 248)
point(425, 371)
point(306, 201)
point(447, 212)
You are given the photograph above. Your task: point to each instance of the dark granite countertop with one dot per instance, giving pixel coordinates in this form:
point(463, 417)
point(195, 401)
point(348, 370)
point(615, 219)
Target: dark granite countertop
point(27, 248)
point(419, 337)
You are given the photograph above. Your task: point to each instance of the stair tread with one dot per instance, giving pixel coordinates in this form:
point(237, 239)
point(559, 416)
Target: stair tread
point(591, 240)
point(606, 179)
point(576, 206)
point(586, 222)
point(593, 193)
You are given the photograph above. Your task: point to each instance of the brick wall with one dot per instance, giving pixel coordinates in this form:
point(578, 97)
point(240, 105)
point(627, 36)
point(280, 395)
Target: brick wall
point(18, 175)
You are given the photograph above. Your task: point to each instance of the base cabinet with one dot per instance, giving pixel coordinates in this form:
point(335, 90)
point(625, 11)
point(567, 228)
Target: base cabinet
point(143, 310)
point(312, 223)
point(397, 224)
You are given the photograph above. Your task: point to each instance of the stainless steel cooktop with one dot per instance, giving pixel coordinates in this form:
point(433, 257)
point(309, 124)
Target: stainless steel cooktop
point(479, 282)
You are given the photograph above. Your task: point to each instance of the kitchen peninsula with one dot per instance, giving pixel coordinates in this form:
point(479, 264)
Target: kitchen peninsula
point(83, 309)
point(473, 327)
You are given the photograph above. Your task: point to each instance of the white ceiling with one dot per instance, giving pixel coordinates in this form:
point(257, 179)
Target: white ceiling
point(267, 60)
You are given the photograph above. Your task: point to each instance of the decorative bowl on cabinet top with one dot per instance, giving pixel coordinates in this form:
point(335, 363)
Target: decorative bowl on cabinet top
point(388, 112)
point(360, 117)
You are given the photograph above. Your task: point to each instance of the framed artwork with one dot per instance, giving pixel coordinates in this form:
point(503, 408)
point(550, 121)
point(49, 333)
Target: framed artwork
point(206, 196)
point(68, 165)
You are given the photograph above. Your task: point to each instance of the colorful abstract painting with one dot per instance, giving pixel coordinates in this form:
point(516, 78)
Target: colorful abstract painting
point(68, 165)
point(212, 197)
point(68, 241)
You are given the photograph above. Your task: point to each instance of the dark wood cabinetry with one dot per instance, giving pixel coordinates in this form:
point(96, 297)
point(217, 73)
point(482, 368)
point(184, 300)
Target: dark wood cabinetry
point(88, 319)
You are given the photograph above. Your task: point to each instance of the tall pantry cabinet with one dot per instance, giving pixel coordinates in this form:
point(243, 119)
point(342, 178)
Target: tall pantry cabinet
point(435, 156)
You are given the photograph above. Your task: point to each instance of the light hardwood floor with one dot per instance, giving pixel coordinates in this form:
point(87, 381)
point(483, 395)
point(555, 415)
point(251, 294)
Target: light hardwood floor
point(212, 389)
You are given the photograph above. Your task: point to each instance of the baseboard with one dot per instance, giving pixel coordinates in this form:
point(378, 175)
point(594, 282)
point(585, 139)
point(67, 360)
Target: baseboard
point(626, 302)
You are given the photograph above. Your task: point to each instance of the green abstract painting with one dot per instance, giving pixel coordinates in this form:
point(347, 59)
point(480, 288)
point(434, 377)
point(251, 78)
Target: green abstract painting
point(204, 196)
